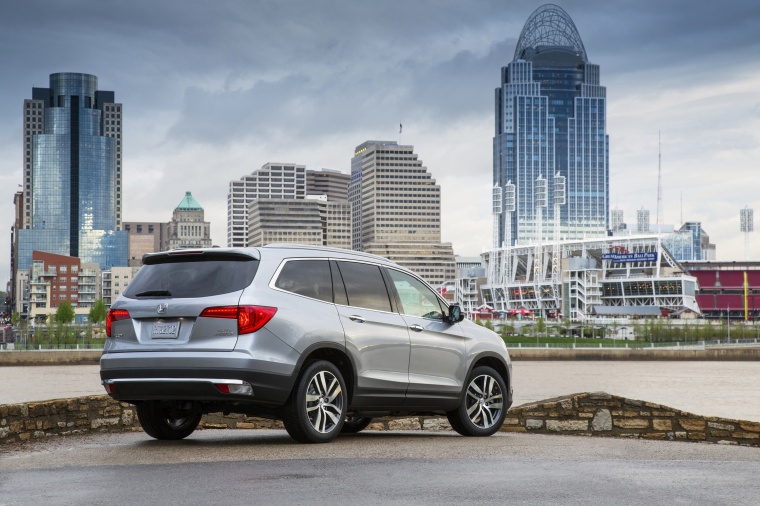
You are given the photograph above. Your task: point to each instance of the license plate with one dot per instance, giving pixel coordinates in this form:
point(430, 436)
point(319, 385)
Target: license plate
point(164, 330)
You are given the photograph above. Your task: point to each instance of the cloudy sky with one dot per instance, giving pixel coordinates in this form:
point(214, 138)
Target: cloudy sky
point(212, 90)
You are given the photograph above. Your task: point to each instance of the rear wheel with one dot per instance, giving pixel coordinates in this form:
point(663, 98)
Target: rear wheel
point(169, 419)
point(316, 410)
point(481, 411)
point(355, 423)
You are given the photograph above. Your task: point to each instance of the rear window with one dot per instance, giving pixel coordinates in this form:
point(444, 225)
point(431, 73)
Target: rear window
point(192, 276)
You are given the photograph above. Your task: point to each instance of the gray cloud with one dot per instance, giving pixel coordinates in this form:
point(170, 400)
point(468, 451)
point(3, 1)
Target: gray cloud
point(213, 90)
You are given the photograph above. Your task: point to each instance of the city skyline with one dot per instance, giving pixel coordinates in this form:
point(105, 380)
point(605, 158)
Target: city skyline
point(212, 92)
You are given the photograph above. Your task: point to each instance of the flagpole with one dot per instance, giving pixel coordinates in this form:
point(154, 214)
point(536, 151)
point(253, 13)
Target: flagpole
point(400, 130)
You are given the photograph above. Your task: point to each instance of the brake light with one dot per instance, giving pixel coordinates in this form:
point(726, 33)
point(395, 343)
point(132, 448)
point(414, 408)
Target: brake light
point(114, 315)
point(249, 318)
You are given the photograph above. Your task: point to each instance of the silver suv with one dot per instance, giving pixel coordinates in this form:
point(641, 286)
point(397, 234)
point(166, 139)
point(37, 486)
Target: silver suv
point(322, 339)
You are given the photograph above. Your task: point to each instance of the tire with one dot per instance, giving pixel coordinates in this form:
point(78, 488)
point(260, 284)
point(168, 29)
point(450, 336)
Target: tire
point(481, 411)
point(354, 424)
point(316, 409)
point(169, 419)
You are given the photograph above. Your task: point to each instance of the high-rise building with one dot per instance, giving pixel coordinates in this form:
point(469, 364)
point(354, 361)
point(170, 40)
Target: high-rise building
point(617, 222)
point(701, 245)
point(314, 220)
point(396, 210)
point(272, 180)
point(188, 228)
point(550, 120)
point(642, 221)
point(329, 182)
point(72, 187)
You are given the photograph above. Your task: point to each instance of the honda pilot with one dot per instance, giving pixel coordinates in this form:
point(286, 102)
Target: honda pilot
point(323, 339)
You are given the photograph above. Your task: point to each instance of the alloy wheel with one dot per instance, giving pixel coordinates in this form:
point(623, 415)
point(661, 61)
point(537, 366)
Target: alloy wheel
point(324, 402)
point(485, 401)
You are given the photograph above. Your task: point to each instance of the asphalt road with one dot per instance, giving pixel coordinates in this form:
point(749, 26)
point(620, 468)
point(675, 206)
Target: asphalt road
point(267, 467)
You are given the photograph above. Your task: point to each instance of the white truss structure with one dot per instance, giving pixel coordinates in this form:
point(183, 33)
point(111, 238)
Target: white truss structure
point(572, 277)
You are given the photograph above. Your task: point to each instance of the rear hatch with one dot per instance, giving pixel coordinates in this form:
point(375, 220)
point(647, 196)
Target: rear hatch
point(184, 300)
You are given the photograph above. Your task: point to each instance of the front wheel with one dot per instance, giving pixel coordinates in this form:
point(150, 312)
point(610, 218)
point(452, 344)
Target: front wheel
point(481, 411)
point(316, 410)
point(169, 419)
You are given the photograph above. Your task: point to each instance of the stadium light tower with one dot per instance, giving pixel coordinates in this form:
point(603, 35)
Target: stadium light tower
point(747, 225)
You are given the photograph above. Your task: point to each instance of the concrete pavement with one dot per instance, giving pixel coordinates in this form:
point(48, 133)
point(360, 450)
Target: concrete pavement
point(266, 467)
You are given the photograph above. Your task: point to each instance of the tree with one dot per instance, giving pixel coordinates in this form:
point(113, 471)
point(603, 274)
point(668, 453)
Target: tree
point(540, 326)
point(637, 334)
point(15, 317)
point(488, 325)
point(615, 326)
point(98, 312)
point(65, 312)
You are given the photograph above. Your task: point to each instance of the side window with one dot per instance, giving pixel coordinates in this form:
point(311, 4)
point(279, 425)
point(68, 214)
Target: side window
point(416, 298)
point(310, 278)
point(365, 286)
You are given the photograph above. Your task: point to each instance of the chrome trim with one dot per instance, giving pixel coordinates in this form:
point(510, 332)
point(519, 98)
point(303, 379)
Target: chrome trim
point(174, 380)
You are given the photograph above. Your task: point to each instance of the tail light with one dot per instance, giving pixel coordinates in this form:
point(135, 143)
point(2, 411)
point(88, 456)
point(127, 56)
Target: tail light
point(249, 318)
point(114, 315)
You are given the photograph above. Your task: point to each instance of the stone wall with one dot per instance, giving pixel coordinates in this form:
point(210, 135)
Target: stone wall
point(65, 417)
point(602, 414)
point(586, 414)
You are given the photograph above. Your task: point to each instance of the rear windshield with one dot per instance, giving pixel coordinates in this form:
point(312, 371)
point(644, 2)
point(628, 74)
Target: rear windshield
point(192, 276)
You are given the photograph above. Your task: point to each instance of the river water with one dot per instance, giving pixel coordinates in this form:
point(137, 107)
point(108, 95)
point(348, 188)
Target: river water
point(724, 389)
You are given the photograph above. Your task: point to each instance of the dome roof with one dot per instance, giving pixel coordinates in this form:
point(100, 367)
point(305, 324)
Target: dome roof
point(549, 25)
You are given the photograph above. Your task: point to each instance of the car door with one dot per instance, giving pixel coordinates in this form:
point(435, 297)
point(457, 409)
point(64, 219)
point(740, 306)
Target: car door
point(376, 335)
point(437, 356)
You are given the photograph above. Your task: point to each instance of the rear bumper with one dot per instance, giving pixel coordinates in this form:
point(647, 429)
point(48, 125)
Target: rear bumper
point(135, 377)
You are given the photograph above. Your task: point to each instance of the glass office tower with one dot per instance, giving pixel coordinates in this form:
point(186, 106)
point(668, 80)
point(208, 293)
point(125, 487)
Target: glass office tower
point(550, 120)
point(72, 186)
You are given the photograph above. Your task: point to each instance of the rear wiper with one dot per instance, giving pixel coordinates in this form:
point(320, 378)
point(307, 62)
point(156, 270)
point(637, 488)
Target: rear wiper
point(154, 293)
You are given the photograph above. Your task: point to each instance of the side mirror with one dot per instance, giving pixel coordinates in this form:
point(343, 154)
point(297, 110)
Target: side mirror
point(455, 314)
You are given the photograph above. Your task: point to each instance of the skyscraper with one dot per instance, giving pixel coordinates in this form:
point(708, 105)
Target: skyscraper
point(330, 182)
point(273, 181)
point(396, 210)
point(550, 120)
point(72, 201)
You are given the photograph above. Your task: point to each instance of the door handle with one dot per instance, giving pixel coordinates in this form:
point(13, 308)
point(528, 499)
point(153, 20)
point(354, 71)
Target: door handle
point(416, 328)
point(357, 319)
